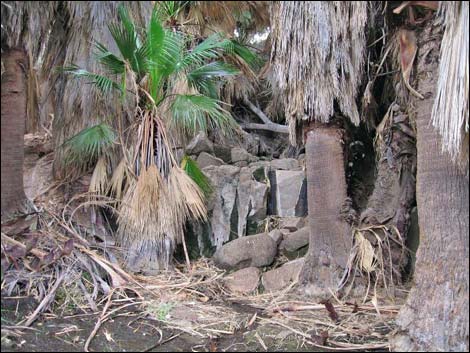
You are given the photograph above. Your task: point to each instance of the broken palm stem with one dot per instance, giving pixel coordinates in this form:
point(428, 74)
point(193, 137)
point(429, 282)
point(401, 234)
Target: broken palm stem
point(267, 123)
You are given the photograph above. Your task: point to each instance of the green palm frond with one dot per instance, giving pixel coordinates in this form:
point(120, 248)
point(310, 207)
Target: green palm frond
point(210, 48)
point(238, 49)
point(111, 62)
point(195, 173)
point(203, 78)
point(193, 113)
point(88, 145)
point(126, 39)
point(104, 83)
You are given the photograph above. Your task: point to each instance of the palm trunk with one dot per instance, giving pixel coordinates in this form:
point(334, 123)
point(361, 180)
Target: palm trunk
point(329, 234)
point(393, 196)
point(435, 317)
point(12, 130)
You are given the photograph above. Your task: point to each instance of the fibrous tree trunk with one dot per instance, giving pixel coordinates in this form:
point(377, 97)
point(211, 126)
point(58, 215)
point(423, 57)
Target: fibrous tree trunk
point(435, 317)
point(386, 220)
point(12, 130)
point(329, 233)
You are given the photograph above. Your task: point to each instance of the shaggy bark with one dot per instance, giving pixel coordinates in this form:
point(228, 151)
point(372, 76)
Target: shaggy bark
point(394, 192)
point(329, 233)
point(12, 130)
point(435, 317)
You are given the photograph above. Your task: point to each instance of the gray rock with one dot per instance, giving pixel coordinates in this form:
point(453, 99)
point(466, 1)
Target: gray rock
point(291, 223)
point(281, 277)
point(241, 164)
point(250, 251)
point(288, 193)
point(221, 205)
point(205, 159)
point(240, 154)
point(252, 201)
point(295, 240)
point(243, 281)
point(285, 164)
point(200, 143)
point(223, 152)
point(276, 235)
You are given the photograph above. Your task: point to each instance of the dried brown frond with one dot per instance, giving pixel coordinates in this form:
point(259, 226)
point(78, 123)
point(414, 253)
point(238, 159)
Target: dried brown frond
point(450, 110)
point(120, 174)
point(318, 51)
point(222, 16)
point(99, 178)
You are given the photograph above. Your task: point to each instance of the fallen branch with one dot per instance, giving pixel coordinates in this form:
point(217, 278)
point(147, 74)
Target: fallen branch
point(268, 124)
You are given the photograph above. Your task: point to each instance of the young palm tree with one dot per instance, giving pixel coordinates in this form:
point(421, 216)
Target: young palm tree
point(162, 81)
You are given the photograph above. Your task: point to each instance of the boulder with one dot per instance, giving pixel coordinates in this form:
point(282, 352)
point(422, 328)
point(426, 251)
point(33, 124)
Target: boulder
point(276, 235)
point(205, 159)
point(283, 276)
point(221, 205)
point(239, 154)
point(223, 152)
point(200, 143)
point(250, 251)
point(285, 164)
point(295, 240)
point(291, 223)
point(252, 201)
point(243, 281)
point(288, 193)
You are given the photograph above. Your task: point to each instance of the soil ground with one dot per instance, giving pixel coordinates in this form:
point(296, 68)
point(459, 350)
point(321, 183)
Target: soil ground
point(126, 334)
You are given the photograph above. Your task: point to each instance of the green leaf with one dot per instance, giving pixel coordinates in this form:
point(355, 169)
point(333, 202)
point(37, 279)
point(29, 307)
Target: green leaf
point(88, 145)
point(247, 55)
point(102, 82)
point(111, 62)
point(127, 41)
point(192, 169)
point(210, 48)
point(203, 78)
point(193, 113)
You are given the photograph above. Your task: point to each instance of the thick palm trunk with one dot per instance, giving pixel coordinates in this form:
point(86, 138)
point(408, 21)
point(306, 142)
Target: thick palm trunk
point(329, 234)
point(435, 317)
point(12, 130)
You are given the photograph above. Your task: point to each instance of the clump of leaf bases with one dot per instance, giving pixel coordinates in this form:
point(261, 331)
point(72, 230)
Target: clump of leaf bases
point(165, 80)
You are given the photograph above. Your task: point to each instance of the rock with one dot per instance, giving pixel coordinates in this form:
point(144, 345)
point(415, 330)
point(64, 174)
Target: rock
point(200, 143)
point(223, 152)
point(291, 223)
point(276, 235)
point(295, 240)
point(239, 154)
point(283, 276)
point(288, 193)
point(221, 205)
point(250, 251)
point(250, 142)
point(241, 164)
point(285, 164)
point(205, 159)
point(252, 201)
point(243, 281)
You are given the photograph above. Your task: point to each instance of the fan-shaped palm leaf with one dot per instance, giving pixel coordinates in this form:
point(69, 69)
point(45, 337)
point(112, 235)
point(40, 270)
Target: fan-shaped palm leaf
point(203, 78)
point(103, 83)
point(88, 145)
point(193, 113)
point(192, 169)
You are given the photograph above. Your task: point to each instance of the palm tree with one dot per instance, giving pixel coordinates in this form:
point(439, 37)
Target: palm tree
point(316, 71)
point(435, 316)
point(161, 82)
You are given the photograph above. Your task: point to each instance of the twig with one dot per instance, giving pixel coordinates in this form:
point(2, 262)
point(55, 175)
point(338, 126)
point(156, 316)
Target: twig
point(46, 299)
point(162, 342)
